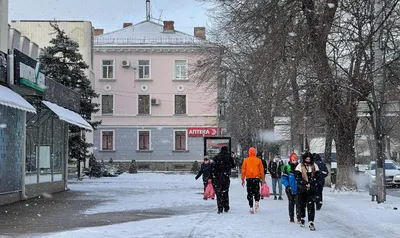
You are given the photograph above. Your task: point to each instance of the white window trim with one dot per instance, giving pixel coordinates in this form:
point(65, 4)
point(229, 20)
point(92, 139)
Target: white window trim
point(101, 104)
point(137, 140)
point(101, 139)
point(138, 75)
point(187, 104)
point(137, 104)
point(187, 69)
point(114, 72)
point(173, 139)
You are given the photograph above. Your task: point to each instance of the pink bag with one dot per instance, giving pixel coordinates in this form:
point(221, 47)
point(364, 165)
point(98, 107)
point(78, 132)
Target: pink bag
point(209, 193)
point(264, 190)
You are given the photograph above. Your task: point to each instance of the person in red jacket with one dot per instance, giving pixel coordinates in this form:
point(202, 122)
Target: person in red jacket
point(253, 172)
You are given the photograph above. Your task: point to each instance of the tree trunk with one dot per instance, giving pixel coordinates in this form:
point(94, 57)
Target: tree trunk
point(329, 133)
point(345, 154)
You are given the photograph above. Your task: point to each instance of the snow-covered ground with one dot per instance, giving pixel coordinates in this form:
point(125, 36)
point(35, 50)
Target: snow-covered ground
point(343, 214)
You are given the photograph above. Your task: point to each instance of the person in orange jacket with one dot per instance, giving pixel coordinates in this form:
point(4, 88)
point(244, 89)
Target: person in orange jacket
point(253, 171)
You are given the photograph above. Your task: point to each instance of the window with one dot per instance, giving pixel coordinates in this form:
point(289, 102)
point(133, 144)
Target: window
point(144, 104)
point(180, 104)
point(107, 104)
point(144, 69)
point(180, 69)
point(144, 140)
point(107, 140)
point(180, 140)
point(108, 69)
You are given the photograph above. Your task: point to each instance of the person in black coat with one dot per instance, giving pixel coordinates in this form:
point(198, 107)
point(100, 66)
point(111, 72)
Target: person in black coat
point(309, 178)
point(205, 170)
point(221, 170)
point(260, 155)
point(324, 172)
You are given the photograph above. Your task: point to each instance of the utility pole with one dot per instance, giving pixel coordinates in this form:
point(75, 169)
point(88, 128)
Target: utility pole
point(378, 100)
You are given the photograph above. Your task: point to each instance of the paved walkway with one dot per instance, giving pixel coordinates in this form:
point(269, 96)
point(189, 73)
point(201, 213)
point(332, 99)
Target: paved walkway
point(64, 212)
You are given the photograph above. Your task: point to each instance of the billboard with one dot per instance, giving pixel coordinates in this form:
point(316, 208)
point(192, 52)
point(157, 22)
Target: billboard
point(213, 145)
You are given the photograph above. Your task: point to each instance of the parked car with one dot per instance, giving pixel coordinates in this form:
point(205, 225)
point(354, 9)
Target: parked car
point(392, 173)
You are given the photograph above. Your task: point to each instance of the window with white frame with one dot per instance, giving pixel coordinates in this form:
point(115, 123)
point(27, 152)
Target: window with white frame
point(144, 104)
point(144, 69)
point(181, 69)
point(180, 105)
point(144, 140)
point(107, 104)
point(108, 69)
point(107, 140)
point(180, 140)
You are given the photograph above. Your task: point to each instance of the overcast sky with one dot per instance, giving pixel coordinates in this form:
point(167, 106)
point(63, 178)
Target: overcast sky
point(111, 14)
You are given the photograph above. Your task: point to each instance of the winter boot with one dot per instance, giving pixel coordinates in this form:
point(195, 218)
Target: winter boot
point(262, 198)
point(275, 198)
point(226, 209)
point(291, 220)
point(311, 226)
point(220, 210)
point(280, 198)
point(298, 220)
point(302, 222)
point(257, 206)
point(204, 198)
point(251, 210)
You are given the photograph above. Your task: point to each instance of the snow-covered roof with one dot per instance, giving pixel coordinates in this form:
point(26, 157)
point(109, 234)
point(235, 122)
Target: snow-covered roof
point(68, 116)
point(11, 99)
point(145, 33)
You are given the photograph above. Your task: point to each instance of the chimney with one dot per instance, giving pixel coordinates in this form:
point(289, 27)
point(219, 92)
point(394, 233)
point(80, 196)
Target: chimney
point(200, 32)
point(148, 9)
point(127, 24)
point(169, 26)
point(98, 32)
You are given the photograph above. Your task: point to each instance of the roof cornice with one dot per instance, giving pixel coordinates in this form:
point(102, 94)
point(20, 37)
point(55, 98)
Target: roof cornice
point(148, 49)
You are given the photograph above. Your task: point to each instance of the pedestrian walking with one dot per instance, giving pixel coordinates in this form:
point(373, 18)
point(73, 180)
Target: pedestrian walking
point(290, 183)
point(260, 155)
point(275, 169)
point(308, 177)
point(324, 172)
point(220, 175)
point(253, 172)
point(205, 170)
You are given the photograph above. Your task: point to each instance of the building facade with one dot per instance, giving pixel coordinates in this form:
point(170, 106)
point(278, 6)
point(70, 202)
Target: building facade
point(80, 31)
point(152, 109)
point(34, 115)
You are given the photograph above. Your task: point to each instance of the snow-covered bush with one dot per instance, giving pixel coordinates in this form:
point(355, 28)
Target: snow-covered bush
point(133, 169)
point(195, 167)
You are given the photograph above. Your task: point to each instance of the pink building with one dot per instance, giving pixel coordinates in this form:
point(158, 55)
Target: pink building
point(151, 108)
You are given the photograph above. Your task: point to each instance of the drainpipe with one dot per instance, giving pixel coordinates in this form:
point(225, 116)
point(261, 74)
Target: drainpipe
point(66, 155)
point(23, 190)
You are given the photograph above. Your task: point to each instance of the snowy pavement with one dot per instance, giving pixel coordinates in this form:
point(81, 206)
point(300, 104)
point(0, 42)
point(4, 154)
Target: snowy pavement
point(343, 215)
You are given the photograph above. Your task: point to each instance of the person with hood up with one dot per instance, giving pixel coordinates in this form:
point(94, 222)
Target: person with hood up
point(205, 170)
point(275, 169)
point(324, 172)
point(308, 177)
point(220, 172)
point(253, 172)
point(260, 155)
point(290, 183)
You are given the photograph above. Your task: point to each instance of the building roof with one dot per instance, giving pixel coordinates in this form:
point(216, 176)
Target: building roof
point(145, 33)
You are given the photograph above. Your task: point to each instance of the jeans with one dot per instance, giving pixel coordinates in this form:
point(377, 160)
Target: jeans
point(276, 181)
point(293, 202)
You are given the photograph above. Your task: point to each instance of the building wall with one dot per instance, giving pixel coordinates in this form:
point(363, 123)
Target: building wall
point(201, 107)
point(39, 32)
point(126, 145)
point(3, 25)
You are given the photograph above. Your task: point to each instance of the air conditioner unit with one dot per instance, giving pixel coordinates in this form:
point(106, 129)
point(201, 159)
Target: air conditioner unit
point(125, 63)
point(155, 101)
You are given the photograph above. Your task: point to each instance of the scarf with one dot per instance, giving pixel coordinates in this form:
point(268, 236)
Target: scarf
point(304, 171)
